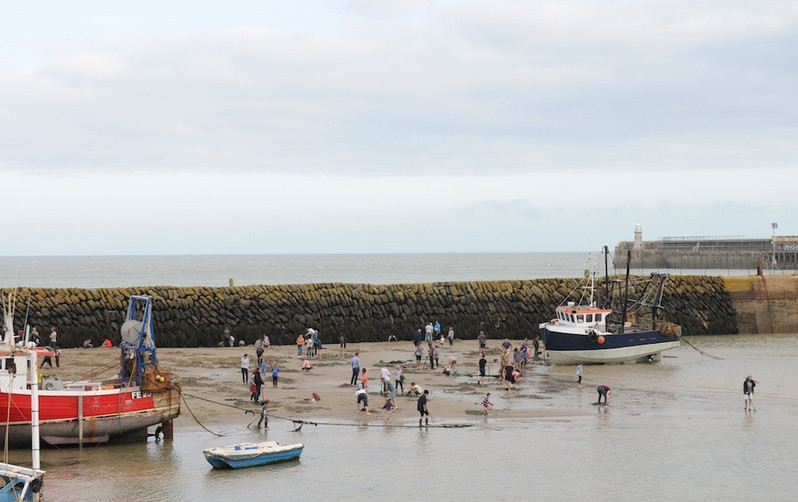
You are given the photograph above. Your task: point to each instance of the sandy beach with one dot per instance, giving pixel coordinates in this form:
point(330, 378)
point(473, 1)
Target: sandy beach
point(213, 389)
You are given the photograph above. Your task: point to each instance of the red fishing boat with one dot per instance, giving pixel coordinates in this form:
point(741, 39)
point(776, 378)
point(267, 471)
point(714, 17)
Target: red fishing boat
point(89, 411)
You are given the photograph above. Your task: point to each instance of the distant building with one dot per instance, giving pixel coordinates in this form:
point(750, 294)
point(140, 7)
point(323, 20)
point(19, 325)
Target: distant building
point(706, 252)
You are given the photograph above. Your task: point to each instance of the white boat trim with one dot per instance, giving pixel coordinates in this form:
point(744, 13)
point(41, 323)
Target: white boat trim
point(631, 354)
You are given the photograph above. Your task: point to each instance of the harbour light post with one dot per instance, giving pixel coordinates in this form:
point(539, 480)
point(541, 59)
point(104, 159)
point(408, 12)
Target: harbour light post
point(774, 226)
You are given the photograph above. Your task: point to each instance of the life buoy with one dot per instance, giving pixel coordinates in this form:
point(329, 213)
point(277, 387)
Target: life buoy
point(592, 336)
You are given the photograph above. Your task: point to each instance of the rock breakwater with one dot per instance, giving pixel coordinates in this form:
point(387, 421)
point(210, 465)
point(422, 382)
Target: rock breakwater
point(197, 316)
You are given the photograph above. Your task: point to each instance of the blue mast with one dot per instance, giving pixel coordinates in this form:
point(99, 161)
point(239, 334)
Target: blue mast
point(138, 338)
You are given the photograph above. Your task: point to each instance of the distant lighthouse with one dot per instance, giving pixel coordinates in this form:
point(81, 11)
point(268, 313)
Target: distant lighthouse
point(637, 245)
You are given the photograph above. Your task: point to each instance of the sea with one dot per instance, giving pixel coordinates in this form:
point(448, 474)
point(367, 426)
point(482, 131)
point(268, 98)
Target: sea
point(243, 270)
point(675, 430)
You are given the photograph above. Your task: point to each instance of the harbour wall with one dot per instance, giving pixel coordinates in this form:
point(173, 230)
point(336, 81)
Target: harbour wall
point(765, 304)
point(197, 316)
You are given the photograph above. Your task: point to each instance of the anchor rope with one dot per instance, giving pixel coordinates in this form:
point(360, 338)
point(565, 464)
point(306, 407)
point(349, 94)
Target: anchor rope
point(703, 353)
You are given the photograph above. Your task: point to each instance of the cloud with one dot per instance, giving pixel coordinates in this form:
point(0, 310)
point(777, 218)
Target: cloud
point(408, 88)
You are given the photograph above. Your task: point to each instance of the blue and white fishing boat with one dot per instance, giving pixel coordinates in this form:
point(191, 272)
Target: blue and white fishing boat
point(251, 454)
point(584, 332)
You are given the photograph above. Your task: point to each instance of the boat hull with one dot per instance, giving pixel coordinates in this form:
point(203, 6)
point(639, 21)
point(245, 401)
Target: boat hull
point(251, 455)
point(103, 415)
point(564, 347)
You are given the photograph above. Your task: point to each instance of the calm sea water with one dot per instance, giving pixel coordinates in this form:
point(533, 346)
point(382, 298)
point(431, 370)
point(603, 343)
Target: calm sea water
point(676, 430)
point(127, 271)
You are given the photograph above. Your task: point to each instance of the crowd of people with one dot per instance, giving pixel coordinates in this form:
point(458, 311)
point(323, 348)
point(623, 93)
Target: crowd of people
point(428, 342)
point(427, 351)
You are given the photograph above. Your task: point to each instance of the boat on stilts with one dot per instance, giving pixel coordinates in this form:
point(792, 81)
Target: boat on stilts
point(89, 411)
point(589, 332)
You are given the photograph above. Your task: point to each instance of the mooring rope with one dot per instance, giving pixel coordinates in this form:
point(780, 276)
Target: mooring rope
point(701, 351)
point(197, 420)
point(298, 423)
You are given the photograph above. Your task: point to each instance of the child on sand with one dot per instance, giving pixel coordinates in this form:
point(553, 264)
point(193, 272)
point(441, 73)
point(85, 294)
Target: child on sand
point(453, 364)
point(306, 366)
point(388, 407)
point(486, 404)
point(364, 379)
point(275, 374)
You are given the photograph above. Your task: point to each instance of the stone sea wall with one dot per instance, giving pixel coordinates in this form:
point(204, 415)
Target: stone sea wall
point(197, 316)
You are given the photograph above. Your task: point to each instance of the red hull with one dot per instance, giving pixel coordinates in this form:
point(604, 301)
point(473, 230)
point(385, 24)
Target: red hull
point(103, 414)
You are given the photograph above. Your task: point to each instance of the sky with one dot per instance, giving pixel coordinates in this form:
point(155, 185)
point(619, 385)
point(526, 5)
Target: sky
point(393, 126)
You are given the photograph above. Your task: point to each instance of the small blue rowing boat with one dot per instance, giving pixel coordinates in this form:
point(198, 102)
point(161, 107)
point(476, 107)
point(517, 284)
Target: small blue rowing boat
point(251, 454)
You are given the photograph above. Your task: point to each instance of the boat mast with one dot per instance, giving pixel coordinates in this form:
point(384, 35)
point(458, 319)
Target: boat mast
point(626, 291)
point(606, 275)
point(34, 411)
point(8, 321)
point(658, 300)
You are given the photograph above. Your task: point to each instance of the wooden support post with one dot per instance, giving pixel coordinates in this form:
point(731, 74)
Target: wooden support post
point(168, 429)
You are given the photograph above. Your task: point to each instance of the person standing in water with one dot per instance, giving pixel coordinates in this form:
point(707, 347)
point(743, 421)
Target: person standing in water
point(422, 408)
point(748, 392)
point(604, 391)
point(264, 419)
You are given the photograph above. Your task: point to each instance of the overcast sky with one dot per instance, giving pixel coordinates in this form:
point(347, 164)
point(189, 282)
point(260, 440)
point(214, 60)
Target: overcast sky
point(367, 126)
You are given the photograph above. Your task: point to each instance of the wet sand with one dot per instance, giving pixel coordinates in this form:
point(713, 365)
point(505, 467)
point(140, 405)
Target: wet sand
point(215, 393)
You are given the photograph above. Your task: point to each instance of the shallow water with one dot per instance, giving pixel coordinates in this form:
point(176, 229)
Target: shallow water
point(675, 430)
